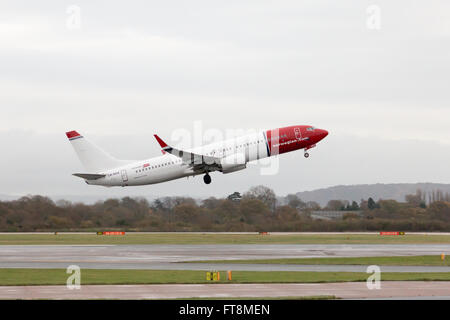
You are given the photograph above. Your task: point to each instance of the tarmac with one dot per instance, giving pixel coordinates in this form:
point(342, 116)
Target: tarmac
point(346, 290)
point(176, 257)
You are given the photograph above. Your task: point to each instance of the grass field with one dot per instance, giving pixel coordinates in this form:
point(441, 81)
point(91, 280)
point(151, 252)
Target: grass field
point(380, 261)
point(190, 238)
point(17, 277)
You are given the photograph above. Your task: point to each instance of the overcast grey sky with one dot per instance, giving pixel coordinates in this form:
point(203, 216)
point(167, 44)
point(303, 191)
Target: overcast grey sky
point(129, 69)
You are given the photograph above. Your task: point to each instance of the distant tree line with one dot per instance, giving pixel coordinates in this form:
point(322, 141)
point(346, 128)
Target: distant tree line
point(258, 209)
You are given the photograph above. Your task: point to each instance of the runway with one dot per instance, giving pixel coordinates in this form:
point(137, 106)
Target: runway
point(346, 290)
point(177, 257)
point(170, 257)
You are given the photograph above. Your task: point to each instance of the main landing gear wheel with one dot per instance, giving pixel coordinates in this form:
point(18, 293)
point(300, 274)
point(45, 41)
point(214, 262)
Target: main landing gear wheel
point(207, 178)
point(306, 154)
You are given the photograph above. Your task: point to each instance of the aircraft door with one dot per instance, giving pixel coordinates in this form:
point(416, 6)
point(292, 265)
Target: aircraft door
point(298, 134)
point(124, 175)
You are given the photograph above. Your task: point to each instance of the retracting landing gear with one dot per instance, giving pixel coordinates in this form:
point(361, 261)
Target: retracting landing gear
point(207, 178)
point(306, 154)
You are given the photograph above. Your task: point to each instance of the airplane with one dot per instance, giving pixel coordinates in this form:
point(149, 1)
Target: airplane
point(226, 156)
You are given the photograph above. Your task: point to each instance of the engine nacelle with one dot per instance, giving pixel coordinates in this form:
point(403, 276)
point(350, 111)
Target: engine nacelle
point(234, 162)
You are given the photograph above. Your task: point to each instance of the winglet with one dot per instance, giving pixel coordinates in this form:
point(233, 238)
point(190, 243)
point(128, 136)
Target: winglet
point(161, 143)
point(72, 135)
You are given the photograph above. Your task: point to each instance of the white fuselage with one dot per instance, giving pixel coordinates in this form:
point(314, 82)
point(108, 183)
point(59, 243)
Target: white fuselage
point(170, 167)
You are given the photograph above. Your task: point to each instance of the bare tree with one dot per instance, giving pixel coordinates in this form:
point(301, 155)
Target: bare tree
point(264, 194)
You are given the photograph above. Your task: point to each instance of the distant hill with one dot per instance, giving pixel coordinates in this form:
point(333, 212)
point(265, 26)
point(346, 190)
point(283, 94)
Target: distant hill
point(395, 191)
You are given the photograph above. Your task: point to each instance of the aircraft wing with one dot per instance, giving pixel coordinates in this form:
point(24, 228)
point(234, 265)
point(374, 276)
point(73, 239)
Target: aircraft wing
point(198, 161)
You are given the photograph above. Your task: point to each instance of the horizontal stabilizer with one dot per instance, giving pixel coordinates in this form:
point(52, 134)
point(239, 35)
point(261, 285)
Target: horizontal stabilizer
point(89, 176)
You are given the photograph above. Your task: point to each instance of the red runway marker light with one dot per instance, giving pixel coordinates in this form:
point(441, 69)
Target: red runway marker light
point(392, 233)
point(113, 233)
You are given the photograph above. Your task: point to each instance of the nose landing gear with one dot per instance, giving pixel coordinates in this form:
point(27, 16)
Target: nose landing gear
point(306, 154)
point(207, 178)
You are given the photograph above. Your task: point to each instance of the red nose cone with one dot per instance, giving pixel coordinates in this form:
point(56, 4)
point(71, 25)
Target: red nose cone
point(323, 133)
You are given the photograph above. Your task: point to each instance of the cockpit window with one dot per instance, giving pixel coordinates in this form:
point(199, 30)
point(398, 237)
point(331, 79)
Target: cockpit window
point(310, 129)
